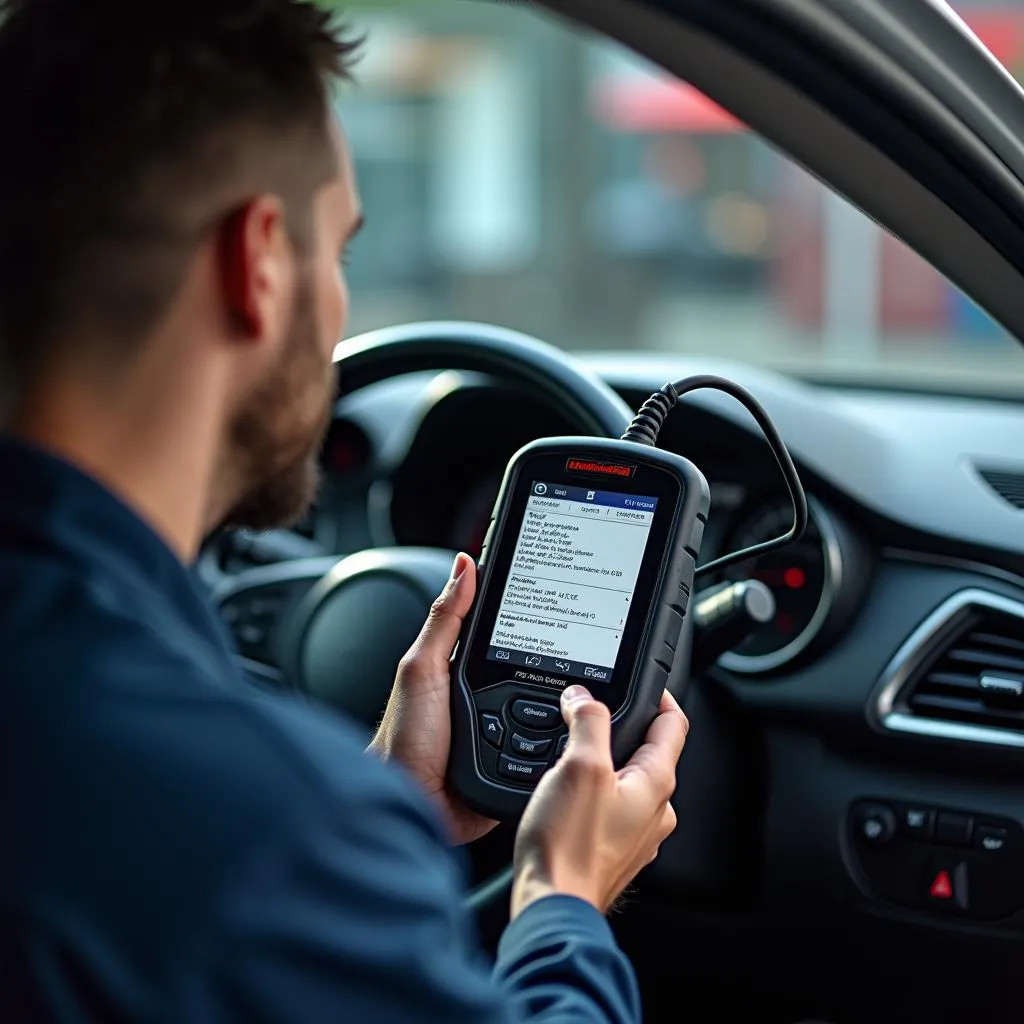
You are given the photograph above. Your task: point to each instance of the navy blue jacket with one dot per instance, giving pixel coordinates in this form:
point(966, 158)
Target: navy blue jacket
point(176, 845)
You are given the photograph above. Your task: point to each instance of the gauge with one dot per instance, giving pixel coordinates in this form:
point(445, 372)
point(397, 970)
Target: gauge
point(473, 515)
point(346, 450)
point(804, 577)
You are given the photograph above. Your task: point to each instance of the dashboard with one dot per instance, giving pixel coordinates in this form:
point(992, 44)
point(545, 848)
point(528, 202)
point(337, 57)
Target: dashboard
point(418, 460)
point(855, 764)
point(439, 488)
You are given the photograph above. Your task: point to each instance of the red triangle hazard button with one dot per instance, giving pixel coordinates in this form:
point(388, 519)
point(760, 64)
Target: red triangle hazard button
point(942, 887)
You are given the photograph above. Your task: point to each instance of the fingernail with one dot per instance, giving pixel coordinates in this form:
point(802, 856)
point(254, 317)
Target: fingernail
point(458, 567)
point(574, 693)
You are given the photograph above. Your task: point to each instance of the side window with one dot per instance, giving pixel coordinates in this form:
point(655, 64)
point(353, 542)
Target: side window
point(520, 171)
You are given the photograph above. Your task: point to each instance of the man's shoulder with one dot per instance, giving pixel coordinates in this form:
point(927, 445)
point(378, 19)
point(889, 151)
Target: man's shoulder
point(111, 678)
point(91, 655)
point(152, 766)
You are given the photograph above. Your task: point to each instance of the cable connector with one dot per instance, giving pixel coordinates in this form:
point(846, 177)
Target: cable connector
point(650, 418)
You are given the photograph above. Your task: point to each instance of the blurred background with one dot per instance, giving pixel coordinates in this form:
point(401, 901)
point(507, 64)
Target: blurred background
point(517, 170)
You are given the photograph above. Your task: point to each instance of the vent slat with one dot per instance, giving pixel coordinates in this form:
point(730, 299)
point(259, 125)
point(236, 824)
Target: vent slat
point(985, 659)
point(955, 709)
point(1006, 643)
point(951, 681)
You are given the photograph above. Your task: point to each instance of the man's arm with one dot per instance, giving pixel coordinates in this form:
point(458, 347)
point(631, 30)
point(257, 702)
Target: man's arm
point(361, 919)
point(558, 961)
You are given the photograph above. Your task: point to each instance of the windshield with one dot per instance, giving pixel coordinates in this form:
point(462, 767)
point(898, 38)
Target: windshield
point(520, 171)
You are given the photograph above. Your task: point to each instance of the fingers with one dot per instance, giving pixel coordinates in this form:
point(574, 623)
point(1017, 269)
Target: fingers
point(668, 823)
point(657, 758)
point(433, 647)
point(665, 827)
point(670, 705)
point(668, 731)
point(590, 725)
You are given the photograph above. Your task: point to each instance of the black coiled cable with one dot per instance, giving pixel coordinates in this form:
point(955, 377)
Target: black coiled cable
point(650, 418)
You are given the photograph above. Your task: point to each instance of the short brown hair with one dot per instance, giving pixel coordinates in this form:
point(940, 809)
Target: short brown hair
point(129, 129)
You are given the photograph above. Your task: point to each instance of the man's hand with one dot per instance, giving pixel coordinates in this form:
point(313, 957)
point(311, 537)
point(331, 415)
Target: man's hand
point(417, 726)
point(589, 829)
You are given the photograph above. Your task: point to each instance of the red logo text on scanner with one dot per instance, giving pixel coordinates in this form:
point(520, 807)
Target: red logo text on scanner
point(603, 468)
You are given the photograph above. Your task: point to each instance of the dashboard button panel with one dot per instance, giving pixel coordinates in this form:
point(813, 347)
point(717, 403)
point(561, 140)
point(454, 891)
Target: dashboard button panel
point(952, 829)
point(916, 822)
point(946, 885)
point(875, 823)
point(990, 838)
point(947, 861)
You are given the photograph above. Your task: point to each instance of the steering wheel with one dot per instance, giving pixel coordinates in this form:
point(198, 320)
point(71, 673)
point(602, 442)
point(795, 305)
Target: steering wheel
point(341, 640)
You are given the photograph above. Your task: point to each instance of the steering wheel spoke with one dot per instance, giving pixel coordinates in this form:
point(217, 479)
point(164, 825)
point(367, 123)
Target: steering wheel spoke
point(256, 603)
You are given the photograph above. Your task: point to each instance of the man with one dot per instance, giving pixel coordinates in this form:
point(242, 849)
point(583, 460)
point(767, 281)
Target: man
point(176, 845)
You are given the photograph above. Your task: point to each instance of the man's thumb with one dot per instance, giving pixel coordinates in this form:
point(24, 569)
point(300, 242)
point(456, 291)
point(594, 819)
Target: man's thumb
point(588, 719)
point(441, 630)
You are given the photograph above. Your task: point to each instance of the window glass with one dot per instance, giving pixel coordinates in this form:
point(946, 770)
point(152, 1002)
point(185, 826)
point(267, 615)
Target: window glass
point(518, 170)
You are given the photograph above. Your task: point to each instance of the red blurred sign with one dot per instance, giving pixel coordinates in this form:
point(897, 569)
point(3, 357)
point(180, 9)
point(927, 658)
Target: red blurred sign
point(660, 105)
point(647, 103)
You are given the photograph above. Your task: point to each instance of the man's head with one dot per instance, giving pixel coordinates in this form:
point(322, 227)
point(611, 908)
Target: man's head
point(173, 180)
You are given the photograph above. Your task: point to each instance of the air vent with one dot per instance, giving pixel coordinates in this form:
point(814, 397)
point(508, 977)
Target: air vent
point(961, 675)
point(1008, 484)
point(979, 679)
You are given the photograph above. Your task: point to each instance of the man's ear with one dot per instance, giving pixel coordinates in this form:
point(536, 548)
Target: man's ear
point(256, 271)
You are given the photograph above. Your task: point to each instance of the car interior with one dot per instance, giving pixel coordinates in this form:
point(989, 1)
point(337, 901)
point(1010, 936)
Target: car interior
point(850, 843)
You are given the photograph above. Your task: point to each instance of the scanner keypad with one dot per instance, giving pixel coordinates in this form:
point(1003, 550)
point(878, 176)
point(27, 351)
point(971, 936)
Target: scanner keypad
point(519, 735)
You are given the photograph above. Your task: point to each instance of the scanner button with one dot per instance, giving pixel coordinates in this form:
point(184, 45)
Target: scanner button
point(535, 748)
point(482, 559)
point(560, 746)
point(523, 771)
point(536, 716)
point(492, 730)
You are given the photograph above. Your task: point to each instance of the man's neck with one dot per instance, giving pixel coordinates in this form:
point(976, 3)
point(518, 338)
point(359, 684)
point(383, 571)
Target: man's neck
point(152, 448)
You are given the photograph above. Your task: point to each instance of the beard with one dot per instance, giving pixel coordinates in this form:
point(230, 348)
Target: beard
point(276, 437)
